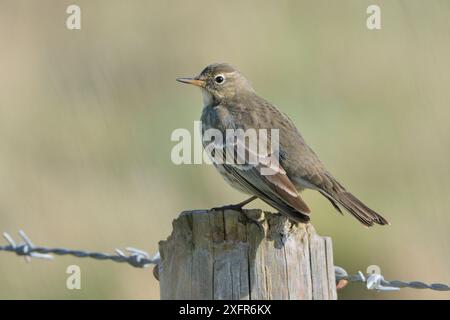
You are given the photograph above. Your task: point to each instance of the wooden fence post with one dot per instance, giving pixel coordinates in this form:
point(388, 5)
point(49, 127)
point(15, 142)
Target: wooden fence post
point(250, 255)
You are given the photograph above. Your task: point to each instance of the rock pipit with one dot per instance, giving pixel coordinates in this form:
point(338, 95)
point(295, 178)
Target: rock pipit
point(230, 102)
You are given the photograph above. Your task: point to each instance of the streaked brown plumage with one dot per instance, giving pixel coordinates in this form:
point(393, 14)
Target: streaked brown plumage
point(231, 103)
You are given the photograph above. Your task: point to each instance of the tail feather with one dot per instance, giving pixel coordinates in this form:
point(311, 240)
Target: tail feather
point(358, 209)
point(333, 202)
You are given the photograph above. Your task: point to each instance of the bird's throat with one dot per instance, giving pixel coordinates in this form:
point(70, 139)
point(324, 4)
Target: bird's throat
point(208, 98)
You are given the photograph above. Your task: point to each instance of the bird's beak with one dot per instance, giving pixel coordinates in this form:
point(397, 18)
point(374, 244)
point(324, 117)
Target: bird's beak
point(194, 81)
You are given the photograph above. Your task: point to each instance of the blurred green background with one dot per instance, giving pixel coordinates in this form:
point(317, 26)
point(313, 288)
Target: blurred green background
point(86, 118)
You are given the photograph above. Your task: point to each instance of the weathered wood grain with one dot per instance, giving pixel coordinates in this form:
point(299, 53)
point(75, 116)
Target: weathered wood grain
point(244, 255)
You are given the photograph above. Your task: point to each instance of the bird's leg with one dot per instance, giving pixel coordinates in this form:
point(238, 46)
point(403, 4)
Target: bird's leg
point(237, 207)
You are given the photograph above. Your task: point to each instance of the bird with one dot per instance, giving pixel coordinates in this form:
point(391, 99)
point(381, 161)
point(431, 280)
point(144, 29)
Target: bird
point(230, 102)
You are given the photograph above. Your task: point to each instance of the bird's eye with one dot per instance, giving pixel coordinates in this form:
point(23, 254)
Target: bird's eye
point(219, 79)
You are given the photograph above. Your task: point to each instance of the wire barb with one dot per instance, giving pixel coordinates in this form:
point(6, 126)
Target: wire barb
point(375, 281)
point(25, 249)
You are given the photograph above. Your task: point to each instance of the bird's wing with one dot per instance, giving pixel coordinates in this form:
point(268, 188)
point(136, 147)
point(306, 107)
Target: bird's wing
point(276, 190)
point(268, 180)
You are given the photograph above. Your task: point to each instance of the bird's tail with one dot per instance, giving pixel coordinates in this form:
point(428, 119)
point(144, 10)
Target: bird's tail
point(358, 209)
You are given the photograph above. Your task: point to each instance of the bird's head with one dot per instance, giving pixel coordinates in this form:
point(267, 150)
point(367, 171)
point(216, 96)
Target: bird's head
point(218, 82)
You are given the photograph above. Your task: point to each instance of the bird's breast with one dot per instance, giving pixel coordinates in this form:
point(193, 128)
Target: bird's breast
point(217, 117)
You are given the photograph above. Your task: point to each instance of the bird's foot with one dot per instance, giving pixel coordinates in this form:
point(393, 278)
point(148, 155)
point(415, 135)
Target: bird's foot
point(235, 207)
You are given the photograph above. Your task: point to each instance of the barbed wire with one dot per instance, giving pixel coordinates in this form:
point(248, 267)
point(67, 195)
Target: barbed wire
point(141, 259)
point(375, 281)
point(135, 257)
